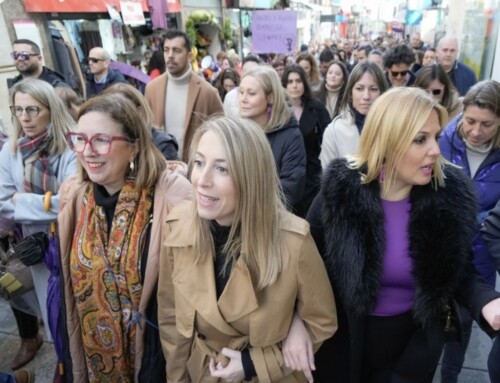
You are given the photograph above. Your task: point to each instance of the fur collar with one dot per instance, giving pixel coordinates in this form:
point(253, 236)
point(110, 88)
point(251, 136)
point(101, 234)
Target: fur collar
point(441, 229)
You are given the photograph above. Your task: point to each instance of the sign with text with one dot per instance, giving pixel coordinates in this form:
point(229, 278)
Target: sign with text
point(132, 13)
point(274, 32)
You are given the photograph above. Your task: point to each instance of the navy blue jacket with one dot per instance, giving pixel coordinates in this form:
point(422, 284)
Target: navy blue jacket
point(463, 78)
point(93, 89)
point(487, 183)
point(289, 153)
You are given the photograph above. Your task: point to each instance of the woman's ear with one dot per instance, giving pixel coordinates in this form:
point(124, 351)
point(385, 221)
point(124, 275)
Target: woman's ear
point(270, 99)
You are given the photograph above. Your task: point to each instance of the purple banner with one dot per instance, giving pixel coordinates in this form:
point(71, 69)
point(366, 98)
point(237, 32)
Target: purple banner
point(274, 31)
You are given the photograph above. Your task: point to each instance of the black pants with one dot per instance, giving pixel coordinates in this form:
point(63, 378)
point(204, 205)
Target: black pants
point(26, 323)
point(397, 350)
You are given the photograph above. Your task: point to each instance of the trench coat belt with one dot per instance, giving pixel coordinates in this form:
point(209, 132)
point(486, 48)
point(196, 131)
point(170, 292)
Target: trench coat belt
point(238, 343)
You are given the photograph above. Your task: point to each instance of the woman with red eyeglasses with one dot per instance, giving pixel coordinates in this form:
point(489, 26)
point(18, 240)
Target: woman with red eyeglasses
point(398, 61)
point(436, 82)
point(110, 229)
point(37, 161)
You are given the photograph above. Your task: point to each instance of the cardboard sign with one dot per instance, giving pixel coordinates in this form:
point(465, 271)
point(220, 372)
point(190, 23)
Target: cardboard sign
point(274, 32)
point(132, 13)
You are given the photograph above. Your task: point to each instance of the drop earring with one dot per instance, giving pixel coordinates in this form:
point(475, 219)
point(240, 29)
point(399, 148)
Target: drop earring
point(269, 110)
point(132, 167)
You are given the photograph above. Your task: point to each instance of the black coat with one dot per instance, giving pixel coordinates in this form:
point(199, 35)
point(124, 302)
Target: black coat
point(347, 222)
point(48, 75)
point(491, 233)
point(313, 122)
point(289, 153)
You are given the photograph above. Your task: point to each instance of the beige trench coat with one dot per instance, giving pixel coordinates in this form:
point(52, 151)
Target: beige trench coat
point(195, 326)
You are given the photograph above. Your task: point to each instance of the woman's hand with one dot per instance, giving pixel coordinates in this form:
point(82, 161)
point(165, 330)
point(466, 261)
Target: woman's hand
point(233, 372)
point(297, 349)
point(491, 313)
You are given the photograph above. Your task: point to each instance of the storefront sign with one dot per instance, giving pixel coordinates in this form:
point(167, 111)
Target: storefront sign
point(132, 13)
point(74, 6)
point(274, 31)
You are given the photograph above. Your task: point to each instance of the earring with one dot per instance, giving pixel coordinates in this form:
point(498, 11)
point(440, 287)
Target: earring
point(269, 110)
point(132, 167)
point(381, 176)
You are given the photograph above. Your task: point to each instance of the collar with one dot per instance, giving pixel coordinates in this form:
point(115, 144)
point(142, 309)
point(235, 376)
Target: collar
point(103, 80)
point(182, 79)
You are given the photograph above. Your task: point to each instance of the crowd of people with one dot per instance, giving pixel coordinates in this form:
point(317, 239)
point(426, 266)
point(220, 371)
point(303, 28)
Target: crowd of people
point(278, 221)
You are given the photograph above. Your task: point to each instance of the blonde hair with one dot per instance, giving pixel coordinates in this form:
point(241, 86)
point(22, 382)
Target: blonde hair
point(149, 162)
point(133, 95)
point(60, 123)
point(270, 82)
point(255, 234)
point(393, 121)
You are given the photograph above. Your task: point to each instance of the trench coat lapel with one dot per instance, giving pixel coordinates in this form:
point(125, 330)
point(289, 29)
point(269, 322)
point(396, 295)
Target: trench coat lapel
point(196, 282)
point(238, 298)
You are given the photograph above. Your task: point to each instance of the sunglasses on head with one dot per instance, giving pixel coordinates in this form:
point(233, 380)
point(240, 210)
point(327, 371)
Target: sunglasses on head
point(403, 73)
point(95, 60)
point(435, 92)
point(22, 55)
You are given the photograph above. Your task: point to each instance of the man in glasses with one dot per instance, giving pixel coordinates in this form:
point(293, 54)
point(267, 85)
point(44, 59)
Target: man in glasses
point(397, 62)
point(460, 74)
point(28, 61)
point(101, 76)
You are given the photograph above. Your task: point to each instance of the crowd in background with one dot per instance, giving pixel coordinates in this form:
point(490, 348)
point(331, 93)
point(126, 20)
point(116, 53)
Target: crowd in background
point(184, 247)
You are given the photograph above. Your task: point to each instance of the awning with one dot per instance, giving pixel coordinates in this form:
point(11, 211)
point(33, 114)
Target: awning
point(75, 6)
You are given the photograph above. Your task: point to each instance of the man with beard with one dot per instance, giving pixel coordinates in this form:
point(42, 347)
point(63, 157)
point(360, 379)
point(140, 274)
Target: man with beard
point(181, 100)
point(28, 61)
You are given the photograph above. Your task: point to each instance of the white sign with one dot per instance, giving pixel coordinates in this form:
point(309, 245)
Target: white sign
point(132, 13)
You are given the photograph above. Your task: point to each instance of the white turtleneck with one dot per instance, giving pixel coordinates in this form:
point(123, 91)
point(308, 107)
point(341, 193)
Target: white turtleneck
point(331, 99)
point(476, 155)
point(175, 105)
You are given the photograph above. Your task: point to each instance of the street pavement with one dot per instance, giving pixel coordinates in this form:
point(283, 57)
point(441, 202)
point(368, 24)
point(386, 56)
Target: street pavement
point(474, 371)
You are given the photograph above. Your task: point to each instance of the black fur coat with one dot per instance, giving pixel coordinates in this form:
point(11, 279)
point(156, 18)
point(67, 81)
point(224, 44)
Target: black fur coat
point(441, 228)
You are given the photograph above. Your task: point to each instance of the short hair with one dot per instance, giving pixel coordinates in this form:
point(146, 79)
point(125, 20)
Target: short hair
point(366, 48)
point(394, 120)
point(256, 230)
point(251, 58)
point(323, 92)
point(221, 55)
point(149, 162)
point(36, 48)
point(296, 68)
point(376, 52)
point(430, 73)
point(314, 77)
point(401, 54)
point(359, 70)
point(326, 55)
point(270, 83)
point(173, 34)
point(484, 95)
point(61, 121)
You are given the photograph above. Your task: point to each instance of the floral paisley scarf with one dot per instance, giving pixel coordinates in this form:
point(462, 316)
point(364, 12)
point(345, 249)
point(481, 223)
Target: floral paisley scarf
point(105, 275)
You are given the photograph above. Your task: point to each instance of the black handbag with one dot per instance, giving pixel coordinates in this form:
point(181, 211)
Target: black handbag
point(31, 249)
point(452, 322)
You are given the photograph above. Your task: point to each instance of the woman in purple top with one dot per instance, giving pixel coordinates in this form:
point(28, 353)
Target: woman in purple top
point(394, 224)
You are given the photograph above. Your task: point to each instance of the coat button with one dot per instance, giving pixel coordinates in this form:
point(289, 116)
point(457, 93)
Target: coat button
point(201, 336)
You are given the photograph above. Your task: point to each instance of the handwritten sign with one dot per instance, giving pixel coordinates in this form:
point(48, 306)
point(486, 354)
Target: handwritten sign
point(274, 31)
point(132, 13)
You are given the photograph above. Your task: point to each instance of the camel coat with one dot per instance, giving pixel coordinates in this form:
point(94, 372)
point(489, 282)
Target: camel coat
point(203, 101)
point(171, 190)
point(195, 326)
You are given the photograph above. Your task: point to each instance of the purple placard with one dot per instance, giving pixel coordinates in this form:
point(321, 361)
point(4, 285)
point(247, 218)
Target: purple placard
point(274, 31)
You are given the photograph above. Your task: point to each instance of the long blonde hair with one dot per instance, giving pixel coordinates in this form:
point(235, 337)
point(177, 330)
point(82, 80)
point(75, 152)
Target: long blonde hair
point(60, 122)
point(255, 234)
point(392, 123)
